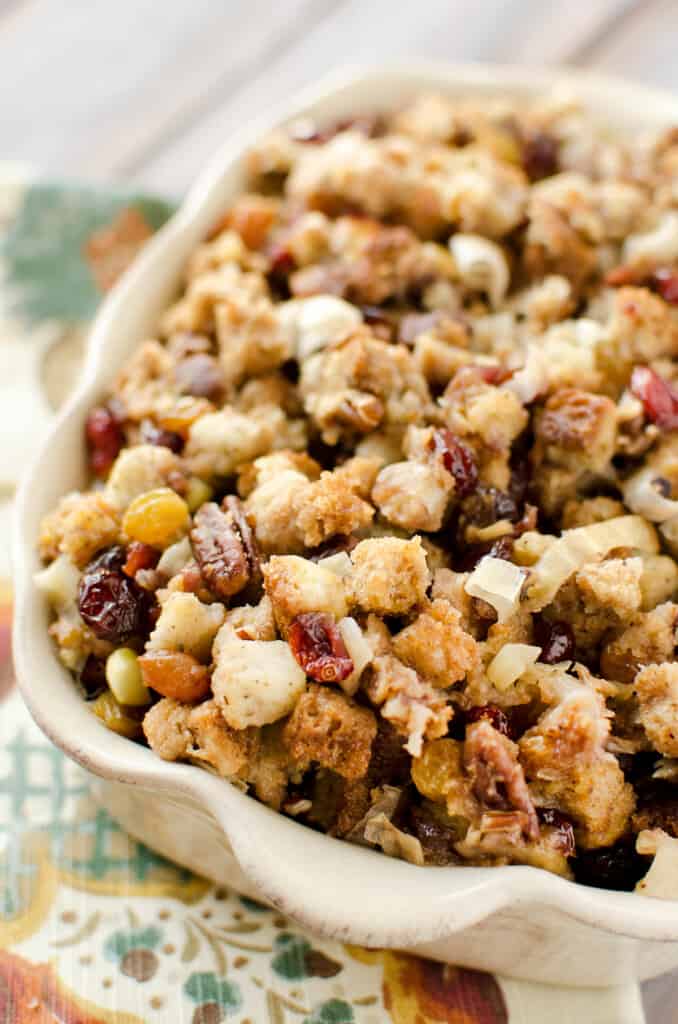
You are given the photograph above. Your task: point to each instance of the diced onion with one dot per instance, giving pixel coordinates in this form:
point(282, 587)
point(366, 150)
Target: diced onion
point(340, 564)
point(661, 881)
point(532, 379)
point(359, 651)
point(318, 321)
point(395, 843)
point(175, 557)
point(498, 582)
point(585, 544)
point(660, 244)
point(481, 264)
point(642, 496)
point(510, 663)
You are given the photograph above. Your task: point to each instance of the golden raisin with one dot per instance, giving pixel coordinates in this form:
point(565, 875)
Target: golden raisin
point(175, 674)
point(126, 721)
point(437, 769)
point(156, 517)
point(183, 413)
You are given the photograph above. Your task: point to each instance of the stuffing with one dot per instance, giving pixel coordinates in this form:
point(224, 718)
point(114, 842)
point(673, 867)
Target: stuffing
point(140, 469)
point(417, 709)
point(221, 441)
point(389, 575)
point(413, 496)
point(81, 525)
point(650, 638)
point(567, 767)
point(329, 507)
point(656, 687)
point(186, 625)
point(436, 646)
point(297, 585)
point(413, 418)
point(329, 728)
point(255, 682)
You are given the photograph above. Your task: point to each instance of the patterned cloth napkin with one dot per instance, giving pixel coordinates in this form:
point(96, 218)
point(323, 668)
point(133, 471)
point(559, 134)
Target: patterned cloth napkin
point(95, 927)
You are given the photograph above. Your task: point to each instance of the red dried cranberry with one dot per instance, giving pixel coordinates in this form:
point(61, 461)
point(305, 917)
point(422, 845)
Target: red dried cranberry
point(104, 437)
point(152, 434)
point(281, 262)
point(111, 558)
point(665, 281)
point(561, 823)
point(317, 645)
point(540, 155)
point(659, 398)
point(93, 676)
point(457, 459)
point(110, 603)
point(200, 375)
point(556, 640)
point(489, 713)
point(610, 867)
point(140, 556)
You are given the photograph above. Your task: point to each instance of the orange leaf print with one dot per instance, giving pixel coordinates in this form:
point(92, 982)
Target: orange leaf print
point(418, 991)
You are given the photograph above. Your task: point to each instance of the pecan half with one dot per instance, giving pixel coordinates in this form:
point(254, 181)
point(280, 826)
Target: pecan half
point(497, 776)
point(219, 551)
point(233, 505)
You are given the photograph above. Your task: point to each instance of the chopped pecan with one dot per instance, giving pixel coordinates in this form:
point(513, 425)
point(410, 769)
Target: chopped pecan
point(498, 780)
point(233, 505)
point(219, 551)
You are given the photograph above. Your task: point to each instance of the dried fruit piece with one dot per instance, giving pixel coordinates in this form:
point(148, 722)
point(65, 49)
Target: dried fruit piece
point(156, 517)
point(110, 603)
point(219, 550)
point(610, 867)
point(93, 677)
point(492, 714)
point(104, 437)
point(140, 556)
point(175, 674)
point(318, 647)
point(540, 155)
point(556, 640)
point(457, 459)
point(665, 280)
point(151, 433)
point(659, 398)
point(122, 720)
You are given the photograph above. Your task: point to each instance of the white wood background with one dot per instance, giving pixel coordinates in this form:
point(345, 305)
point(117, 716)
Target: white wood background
point(144, 90)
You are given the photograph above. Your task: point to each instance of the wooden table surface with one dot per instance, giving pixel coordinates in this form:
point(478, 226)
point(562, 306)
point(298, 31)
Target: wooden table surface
point(145, 91)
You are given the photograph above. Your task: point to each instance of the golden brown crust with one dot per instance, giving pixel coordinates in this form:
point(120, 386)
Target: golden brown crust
point(327, 727)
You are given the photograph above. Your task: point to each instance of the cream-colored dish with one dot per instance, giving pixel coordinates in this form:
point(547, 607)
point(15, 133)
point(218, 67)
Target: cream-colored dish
point(514, 920)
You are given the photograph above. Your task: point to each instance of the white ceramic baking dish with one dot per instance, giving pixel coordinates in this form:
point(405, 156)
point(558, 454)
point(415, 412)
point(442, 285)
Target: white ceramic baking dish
point(515, 920)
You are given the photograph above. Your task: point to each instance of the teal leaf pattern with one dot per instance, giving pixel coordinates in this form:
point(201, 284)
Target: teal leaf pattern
point(290, 961)
point(206, 987)
point(121, 943)
point(45, 271)
point(334, 1011)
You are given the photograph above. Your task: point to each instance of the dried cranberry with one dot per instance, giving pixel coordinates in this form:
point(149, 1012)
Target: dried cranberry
point(200, 375)
point(540, 155)
point(110, 603)
point(281, 262)
point(665, 281)
point(610, 867)
point(317, 645)
point(152, 434)
point(492, 714)
point(111, 558)
point(556, 640)
point(104, 437)
point(334, 546)
point(563, 827)
point(437, 840)
point(457, 459)
point(93, 676)
point(501, 548)
point(659, 398)
point(140, 556)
